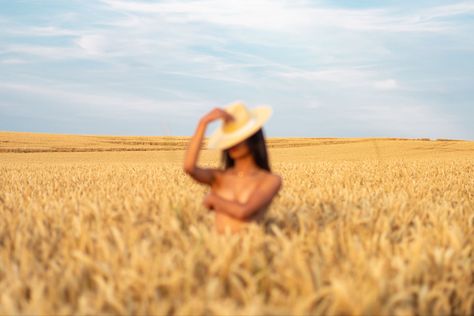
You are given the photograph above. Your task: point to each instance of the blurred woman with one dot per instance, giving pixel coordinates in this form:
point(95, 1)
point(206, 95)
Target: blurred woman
point(241, 191)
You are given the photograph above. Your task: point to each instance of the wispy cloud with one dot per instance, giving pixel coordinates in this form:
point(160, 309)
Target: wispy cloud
point(93, 44)
point(108, 103)
point(450, 10)
point(13, 61)
point(44, 51)
point(388, 84)
point(40, 31)
point(291, 16)
point(339, 75)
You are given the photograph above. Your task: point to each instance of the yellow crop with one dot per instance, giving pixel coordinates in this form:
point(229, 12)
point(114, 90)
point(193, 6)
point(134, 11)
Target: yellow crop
point(112, 225)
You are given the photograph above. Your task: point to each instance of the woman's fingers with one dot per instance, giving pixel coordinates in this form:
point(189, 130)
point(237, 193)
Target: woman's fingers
point(228, 117)
point(207, 201)
point(218, 113)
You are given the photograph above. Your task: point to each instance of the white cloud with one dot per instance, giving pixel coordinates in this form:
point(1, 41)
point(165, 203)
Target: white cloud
point(210, 76)
point(337, 75)
point(44, 51)
point(13, 61)
point(92, 44)
point(449, 10)
point(313, 105)
point(388, 84)
point(38, 31)
point(285, 16)
point(230, 13)
point(45, 31)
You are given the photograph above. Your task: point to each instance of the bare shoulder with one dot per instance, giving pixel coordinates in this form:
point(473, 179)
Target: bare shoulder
point(273, 179)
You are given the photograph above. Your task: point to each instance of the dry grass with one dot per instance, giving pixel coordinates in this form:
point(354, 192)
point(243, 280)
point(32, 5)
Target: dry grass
point(361, 226)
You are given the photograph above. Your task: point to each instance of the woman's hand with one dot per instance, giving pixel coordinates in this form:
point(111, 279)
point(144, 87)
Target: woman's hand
point(216, 113)
point(208, 201)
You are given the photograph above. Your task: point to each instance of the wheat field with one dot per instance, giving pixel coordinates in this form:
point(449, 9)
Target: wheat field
point(112, 225)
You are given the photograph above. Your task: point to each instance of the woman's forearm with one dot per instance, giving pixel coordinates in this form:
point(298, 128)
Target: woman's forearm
point(192, 153)
point(234, 209)
point(195, 144)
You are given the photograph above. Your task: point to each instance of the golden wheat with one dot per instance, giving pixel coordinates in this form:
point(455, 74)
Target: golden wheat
point(361, 226)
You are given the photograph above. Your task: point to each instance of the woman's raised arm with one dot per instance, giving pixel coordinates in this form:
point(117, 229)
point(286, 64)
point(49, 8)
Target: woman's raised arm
point(202, 175)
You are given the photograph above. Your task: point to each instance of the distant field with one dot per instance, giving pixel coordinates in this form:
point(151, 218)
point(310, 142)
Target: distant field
point(283, 148)
point(112, 225)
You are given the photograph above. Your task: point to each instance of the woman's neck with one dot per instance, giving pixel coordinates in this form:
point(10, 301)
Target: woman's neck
point(245, 164)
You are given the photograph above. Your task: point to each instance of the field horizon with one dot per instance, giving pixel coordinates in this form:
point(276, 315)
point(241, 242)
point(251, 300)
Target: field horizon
point(24, 142)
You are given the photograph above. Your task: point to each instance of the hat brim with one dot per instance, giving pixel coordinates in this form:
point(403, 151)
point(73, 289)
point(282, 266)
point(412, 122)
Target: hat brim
point(220, 140)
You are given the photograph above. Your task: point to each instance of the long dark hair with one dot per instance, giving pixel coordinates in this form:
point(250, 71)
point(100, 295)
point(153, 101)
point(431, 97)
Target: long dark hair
point(258, 149)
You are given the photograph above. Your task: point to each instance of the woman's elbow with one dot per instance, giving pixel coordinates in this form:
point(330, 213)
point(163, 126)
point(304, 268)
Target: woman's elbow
point(188, 169)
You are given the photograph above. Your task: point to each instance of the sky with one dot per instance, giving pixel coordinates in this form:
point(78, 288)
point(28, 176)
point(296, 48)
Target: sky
point(327, 68)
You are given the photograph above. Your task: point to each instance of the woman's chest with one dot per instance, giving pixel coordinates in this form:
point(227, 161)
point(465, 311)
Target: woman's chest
point(235, 188)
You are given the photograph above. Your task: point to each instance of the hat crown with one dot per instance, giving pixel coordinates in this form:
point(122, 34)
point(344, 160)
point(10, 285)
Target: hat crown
point(241, 116)
point(246, 122)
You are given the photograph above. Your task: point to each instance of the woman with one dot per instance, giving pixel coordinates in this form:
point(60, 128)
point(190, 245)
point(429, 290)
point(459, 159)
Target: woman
point(242, 191)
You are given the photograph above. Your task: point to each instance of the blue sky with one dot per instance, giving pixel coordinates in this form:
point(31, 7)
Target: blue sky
point(328, 68)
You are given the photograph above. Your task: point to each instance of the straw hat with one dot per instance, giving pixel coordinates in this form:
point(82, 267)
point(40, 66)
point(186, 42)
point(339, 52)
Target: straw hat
point(246, 122)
